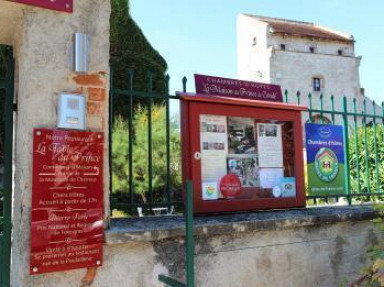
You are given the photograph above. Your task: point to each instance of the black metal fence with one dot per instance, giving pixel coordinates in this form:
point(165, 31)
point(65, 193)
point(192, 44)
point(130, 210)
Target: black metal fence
point(145, 154)
point(6, 142)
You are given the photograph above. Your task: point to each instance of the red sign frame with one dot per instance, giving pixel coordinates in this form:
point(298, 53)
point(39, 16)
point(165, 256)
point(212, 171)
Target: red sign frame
point(67, 200)
point(57, 5)
point(192, 106)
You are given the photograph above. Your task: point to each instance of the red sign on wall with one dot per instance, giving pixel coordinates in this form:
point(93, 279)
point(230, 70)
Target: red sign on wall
point(215, 86)
point(67, 200)
point(58, 5)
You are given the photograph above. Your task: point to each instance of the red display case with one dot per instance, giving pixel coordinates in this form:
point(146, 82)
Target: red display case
point(242, 154)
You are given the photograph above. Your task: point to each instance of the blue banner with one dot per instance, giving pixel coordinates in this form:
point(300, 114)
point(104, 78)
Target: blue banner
point(325, 159)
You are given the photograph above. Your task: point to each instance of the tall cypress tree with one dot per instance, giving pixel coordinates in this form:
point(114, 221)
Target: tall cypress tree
point(130, 50)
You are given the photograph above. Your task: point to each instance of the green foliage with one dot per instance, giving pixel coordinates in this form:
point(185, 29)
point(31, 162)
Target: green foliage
point(367, 159)
point(364, 158)
point(120, 149)
point(130, 50)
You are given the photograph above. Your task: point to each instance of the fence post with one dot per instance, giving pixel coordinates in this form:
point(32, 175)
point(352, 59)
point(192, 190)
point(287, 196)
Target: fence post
point(375, 148)
point(310, 107)
point(190, 250)
point(150, 103)
point(347, 180)
point(367, 177)
point(130, 137)
point(167, 136)
point(333, 109)
point(190, 241)
point(5, 265)
point(321, 109)
point(185, 84)
point(110, 124)
point(357, 162)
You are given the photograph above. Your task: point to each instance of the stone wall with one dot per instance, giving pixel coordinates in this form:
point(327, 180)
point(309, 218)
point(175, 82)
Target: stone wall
point(42, 42)
point(253, 54)
point(314, 247)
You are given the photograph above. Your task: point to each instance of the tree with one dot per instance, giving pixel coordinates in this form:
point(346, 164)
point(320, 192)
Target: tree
point(140, 175)
point(130, 50)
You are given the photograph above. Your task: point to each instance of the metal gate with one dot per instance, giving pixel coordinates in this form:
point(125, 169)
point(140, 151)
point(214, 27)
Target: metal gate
point(6, 143)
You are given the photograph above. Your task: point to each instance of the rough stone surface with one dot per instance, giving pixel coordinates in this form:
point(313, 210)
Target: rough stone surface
point(160, 228)
point(96, 94)
point(298, 248)
point(94, 108)
point(97, 80)
point(42, 42)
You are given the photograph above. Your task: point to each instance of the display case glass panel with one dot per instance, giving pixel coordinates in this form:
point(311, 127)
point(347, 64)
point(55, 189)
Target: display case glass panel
point(245, 158)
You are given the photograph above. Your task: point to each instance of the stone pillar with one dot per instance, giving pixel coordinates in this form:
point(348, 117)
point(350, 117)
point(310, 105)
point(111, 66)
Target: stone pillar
point(43, 51)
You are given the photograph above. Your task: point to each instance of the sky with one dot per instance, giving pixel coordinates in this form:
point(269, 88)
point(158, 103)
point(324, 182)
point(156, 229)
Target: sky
point(199, 36)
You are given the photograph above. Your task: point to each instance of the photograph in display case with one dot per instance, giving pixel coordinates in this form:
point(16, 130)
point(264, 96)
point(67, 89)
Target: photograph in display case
point(246, 169)
point(269, 145)
point(241, 135)
point(214, 149)
point(259, 153)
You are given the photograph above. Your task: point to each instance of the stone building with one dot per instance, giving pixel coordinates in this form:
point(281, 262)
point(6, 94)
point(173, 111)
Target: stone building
point(300, 56)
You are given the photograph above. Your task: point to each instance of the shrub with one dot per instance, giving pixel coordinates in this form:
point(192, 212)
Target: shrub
point(140, 175)
point(367, 159)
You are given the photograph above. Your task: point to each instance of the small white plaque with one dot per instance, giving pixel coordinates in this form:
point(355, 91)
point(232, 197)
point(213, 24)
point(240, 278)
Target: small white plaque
point(71, 112)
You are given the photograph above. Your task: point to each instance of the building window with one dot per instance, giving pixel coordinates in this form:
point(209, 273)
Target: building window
point(312, 49)
point(340, 52)
point(282, 46)
point(316, 84)
point(254, 42)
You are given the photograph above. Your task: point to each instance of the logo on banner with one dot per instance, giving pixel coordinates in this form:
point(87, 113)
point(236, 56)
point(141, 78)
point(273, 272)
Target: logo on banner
point(325, 132)
point(326, 164)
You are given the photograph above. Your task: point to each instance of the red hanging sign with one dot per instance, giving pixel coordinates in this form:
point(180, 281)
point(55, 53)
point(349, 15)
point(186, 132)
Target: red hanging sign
point(67, 200)
point(58, 5)
point(215, 86)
